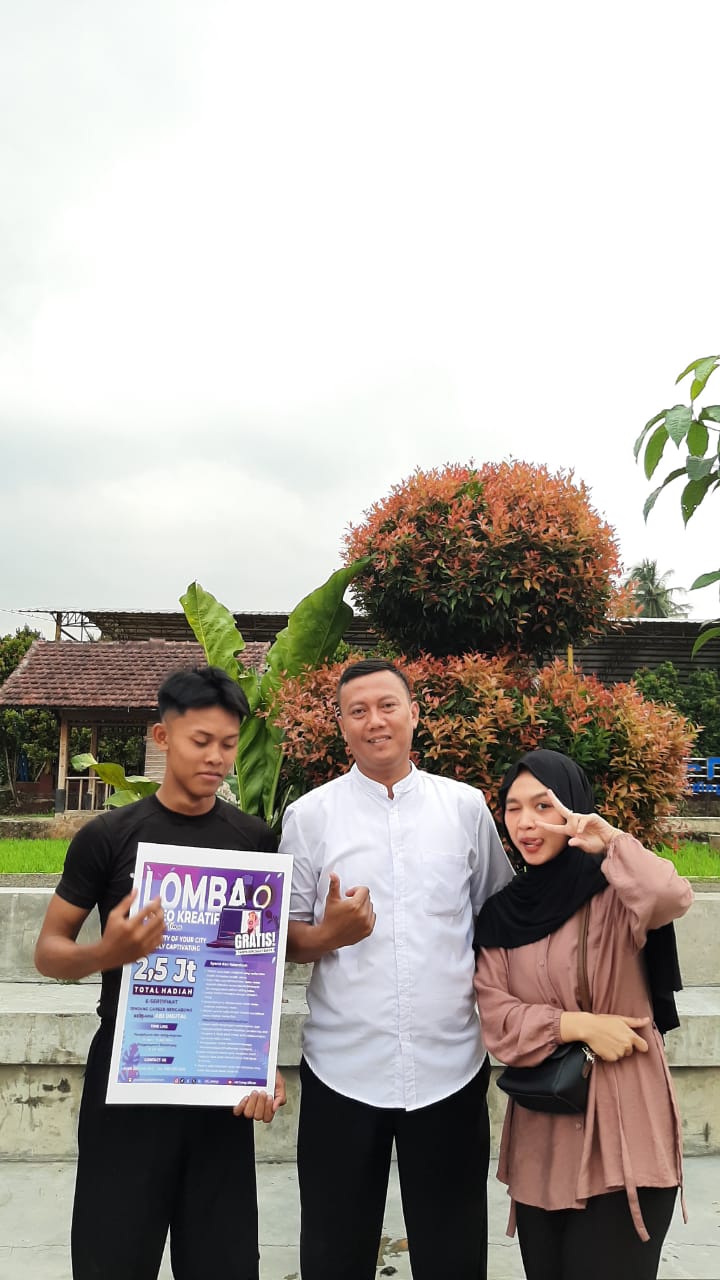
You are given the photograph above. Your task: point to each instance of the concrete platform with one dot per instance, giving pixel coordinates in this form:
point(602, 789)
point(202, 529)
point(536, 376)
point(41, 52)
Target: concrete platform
point(35, 1205)
point(46, 1027)
point(698, 939)
point(692, 826)
point(54, 1023)
point(22, 911)
point(45, 1031)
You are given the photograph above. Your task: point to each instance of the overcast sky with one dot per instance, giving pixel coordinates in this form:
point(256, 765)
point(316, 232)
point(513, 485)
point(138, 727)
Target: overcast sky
point(260, 261)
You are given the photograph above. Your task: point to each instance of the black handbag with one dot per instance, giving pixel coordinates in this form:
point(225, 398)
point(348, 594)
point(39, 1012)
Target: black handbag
point(560, 1083)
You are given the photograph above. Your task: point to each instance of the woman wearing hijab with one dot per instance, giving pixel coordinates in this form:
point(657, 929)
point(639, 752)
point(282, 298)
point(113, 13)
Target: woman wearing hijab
point(592, 1196)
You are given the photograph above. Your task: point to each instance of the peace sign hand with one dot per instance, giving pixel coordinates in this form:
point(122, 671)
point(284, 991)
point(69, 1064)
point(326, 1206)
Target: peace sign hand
point(586, 831)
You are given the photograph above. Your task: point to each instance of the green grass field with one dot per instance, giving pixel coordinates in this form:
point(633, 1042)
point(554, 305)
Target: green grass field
point(694, 859)
point(41, 857)
point(45, 857)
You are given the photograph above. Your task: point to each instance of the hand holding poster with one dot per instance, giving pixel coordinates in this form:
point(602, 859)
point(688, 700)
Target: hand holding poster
point(199, 1018)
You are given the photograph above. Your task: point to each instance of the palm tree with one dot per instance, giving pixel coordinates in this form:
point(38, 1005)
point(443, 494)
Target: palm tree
point(651, 592)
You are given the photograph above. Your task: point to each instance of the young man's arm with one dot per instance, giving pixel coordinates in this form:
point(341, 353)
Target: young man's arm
point(58, 954)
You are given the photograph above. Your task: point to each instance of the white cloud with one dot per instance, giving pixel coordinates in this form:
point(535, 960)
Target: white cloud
point(262, 261)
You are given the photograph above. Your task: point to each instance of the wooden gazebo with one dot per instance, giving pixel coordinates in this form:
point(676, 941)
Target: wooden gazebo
point(93, 685)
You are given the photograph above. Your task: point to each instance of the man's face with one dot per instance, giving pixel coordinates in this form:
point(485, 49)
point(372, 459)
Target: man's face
point(200, 746)
point(377, 719)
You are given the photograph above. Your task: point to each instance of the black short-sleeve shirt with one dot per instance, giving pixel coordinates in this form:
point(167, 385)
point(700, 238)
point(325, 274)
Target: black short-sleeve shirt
point(100, 861)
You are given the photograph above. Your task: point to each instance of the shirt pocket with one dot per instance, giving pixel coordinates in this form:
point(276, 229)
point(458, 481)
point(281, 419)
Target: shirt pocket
point(446, 878)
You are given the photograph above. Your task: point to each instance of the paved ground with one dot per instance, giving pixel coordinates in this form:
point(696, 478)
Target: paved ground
point(35, 1213)
point(28, 880)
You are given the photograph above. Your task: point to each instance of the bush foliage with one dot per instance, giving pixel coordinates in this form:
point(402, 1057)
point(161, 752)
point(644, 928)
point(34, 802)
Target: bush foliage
point(698, 699)
point(28, 739)
point(465, 559)
point(477, 714)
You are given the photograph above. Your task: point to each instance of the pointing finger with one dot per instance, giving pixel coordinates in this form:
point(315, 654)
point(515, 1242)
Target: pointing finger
point(551, 826)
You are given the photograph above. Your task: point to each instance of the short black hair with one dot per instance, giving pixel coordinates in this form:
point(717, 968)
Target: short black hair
point(368, 667)
point(201, 687)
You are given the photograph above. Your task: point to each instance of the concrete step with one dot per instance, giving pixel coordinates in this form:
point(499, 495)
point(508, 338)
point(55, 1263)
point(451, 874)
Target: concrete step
point(22, 912)
point(45, 1030)
point(46, 1027)
point(692, 827)
point(43, 1023)
point(54, 1022)
point(698, 940)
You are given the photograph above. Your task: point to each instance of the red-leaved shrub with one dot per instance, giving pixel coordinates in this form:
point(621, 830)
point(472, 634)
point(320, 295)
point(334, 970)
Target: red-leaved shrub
point(478, 714)
point(503, 556)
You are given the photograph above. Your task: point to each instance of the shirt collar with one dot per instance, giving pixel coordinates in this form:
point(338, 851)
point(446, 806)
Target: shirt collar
point(379, 789)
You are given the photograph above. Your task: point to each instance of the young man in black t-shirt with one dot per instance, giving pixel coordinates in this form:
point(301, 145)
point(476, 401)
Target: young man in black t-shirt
point(145, 1169)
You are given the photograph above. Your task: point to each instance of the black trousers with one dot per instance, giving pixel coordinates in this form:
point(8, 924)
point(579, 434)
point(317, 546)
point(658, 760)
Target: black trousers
point(598, 1242)
point(344, 1152)
point(144, 1169)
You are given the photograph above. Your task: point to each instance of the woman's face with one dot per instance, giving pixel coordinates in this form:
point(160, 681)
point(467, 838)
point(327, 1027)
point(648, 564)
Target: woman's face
point(527, 802)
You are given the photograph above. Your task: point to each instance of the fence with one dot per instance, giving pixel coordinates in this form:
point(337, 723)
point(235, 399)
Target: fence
point(86, 792)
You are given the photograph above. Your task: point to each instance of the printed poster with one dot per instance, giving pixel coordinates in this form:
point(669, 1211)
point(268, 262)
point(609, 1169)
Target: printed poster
point(199, 1019)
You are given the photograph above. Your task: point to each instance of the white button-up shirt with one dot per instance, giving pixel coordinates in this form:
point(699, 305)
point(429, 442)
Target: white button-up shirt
point(393, 1020)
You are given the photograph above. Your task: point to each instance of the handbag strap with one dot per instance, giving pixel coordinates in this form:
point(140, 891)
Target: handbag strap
point(583, 991)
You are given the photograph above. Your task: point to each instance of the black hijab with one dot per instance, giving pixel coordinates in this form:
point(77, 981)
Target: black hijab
point(540, 899)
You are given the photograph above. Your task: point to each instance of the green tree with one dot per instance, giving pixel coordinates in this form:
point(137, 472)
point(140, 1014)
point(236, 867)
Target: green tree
point(698, 432)
point(13, 650)
point(660, 683)
point(651, 591)
point(115, 742)
point(698, 699)
point(701, 705)
point(27, 738)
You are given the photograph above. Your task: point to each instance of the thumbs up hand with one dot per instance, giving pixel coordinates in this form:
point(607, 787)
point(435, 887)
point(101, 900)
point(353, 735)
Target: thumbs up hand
point(349, 917)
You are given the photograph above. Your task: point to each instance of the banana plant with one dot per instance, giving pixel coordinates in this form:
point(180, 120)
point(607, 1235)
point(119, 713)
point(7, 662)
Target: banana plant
point(125, 789)
point(314, 630)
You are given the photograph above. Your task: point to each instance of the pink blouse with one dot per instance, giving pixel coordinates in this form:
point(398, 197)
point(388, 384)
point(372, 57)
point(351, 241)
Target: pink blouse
point(630, 1135)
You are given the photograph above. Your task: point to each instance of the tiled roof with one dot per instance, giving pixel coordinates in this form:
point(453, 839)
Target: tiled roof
point(58, 675)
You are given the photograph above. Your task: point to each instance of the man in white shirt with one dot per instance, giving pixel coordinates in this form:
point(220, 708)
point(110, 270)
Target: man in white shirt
point(391, 867)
